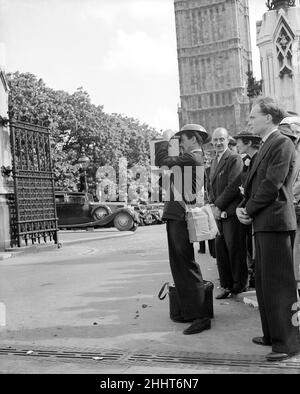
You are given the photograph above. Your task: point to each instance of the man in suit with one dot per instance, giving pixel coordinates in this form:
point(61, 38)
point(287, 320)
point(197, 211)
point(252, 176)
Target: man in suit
point(269, 205)
point(247, 146)
point(185, 270)
point(231, 242)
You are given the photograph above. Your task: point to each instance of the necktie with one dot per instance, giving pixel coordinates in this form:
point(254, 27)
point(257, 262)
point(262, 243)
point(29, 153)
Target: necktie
point(214, 166)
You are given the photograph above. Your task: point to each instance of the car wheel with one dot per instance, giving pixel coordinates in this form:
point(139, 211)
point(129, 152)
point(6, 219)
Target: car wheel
point(123, 221)
point(100, 212)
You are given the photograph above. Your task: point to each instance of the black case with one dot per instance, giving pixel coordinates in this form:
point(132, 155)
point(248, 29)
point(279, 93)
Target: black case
point(174, 308)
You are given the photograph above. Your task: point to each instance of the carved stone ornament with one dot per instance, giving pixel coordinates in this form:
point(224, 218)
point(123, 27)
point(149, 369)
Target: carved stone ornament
point(277, 4)
point(284, 52)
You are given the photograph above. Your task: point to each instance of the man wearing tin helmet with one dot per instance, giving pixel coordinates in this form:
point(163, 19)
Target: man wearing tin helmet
point(185, 270)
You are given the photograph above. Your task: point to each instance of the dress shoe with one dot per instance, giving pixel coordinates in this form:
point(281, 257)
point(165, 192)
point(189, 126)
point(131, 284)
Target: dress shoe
point(197, 326)
point(260, 341)
point(275, 356)
point(180, 319)
point(223, 294)
point(236, 290)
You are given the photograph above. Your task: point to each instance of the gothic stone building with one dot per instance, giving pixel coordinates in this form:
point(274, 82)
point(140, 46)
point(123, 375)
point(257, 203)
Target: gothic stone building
point(214, 54)
point(278, 39)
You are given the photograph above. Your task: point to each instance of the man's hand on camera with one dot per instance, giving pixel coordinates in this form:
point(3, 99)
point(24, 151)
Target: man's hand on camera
point(168, 134)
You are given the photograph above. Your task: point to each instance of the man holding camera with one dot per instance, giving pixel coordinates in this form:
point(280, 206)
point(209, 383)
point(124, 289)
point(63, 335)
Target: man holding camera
point(185, 270)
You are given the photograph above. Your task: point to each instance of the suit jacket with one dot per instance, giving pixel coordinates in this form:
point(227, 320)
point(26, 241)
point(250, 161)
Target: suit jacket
point(230, 192)
point(176, 209)
point(268, 186)
point(223, 180)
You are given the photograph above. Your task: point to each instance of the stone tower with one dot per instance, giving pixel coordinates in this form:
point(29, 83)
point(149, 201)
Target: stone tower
point(214, 54)
point(278, 39)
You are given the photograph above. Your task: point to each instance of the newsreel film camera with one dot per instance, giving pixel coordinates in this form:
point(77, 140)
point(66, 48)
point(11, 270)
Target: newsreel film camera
point(172, 151)
point(156, 173)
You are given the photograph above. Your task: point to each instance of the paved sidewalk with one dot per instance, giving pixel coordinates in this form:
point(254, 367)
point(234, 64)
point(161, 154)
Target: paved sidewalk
point(94, 308)
point(248, 298)
point(68, 237)
point(81, 236)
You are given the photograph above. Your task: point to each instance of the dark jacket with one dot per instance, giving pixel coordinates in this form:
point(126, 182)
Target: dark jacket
point(223, 180)
point(176, 209)
point(231, 190)
point(268, 186)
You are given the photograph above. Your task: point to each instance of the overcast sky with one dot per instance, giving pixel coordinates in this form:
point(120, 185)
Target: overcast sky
point(122, 52)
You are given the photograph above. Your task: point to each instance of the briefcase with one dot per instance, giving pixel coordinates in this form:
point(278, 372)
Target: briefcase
point(174, 308)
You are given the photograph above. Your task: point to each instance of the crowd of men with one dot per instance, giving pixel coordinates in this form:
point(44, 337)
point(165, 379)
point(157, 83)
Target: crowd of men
point(252, 193)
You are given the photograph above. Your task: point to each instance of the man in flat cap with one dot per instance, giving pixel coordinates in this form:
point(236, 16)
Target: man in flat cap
point(247, 146)
point(185, 270)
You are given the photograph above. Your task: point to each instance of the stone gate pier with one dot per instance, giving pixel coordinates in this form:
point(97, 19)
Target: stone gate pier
point(6, 182)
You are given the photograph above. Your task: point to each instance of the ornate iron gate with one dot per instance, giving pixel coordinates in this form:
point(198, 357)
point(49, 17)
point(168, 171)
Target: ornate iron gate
point(34, 217)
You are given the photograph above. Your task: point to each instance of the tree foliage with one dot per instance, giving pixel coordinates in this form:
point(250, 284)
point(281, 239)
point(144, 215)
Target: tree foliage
point(254, 87)
point(78, 127)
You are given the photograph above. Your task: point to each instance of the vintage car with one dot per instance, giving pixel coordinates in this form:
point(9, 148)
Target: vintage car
point(79, 210)
point(149, 213)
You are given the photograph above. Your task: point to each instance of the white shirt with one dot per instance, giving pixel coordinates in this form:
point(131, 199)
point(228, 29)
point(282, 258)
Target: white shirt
point(264, 139)
point(196, 150)
point(220, 155)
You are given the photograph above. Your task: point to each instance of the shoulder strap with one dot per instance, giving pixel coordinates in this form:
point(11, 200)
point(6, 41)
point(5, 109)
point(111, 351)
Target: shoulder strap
point(206, 177)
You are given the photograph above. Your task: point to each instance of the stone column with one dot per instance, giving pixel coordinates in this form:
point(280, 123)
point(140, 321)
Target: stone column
point(6, 183)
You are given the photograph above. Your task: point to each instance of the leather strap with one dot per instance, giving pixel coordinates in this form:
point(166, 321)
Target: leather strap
point(161, 294)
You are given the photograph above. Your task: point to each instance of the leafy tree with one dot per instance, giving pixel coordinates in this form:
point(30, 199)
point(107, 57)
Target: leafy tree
point(78, 127)
point(254, 88)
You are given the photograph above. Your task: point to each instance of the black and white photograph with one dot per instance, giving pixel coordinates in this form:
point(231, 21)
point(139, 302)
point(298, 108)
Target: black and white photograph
point(149, 190)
